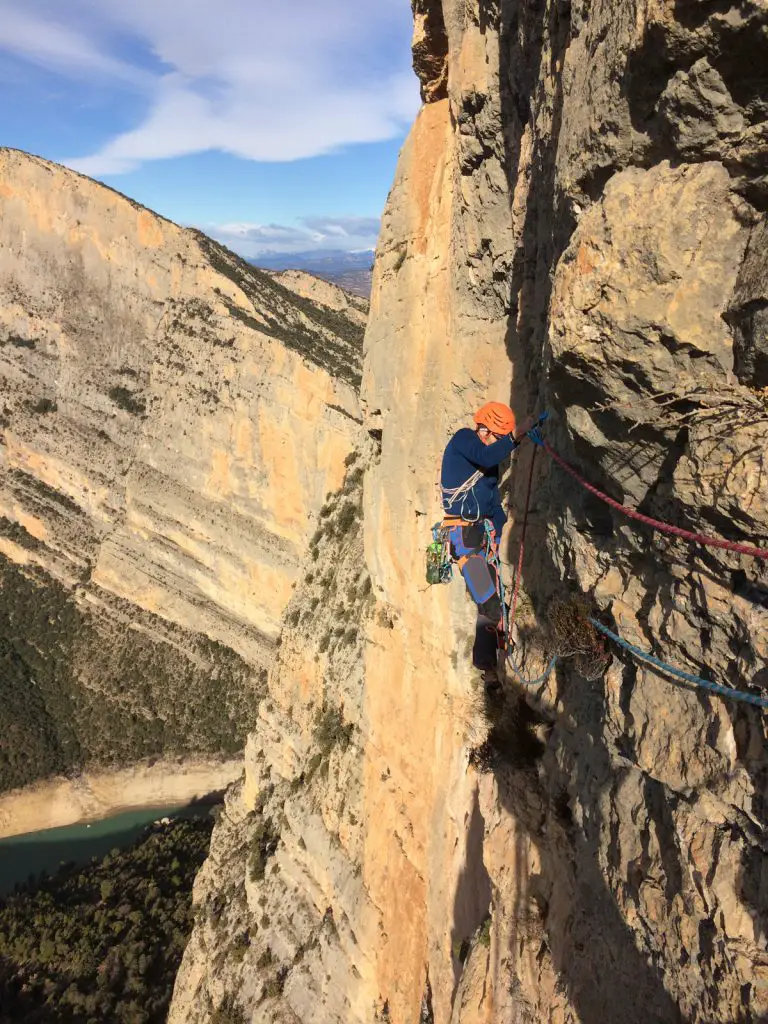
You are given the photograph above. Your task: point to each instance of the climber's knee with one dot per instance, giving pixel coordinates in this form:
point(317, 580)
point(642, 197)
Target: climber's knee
point(480, 583)
point(491, 608)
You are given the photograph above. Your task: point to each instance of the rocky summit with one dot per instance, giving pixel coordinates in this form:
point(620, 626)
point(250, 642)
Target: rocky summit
point(577, 226)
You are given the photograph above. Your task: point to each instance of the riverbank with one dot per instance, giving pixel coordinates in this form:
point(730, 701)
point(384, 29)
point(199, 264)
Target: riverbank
point(94, 795)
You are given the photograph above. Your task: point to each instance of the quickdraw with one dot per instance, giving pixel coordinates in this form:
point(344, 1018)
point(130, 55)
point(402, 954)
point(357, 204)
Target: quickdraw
point(439, 560)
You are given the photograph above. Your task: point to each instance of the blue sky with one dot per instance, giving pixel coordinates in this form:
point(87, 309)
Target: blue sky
point(271, 126)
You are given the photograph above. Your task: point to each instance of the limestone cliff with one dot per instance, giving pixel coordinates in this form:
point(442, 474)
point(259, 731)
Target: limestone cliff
point(578, 224)
point(171, 420)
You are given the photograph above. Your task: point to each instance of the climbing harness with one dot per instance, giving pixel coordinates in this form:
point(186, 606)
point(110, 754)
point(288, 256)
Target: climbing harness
point(656, 524)
point(722, 691)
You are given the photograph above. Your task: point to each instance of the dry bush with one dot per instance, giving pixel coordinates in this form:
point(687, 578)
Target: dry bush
point(511, 738)
point(571, 635)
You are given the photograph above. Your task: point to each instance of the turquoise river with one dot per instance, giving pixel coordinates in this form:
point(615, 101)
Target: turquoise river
point(28, 854)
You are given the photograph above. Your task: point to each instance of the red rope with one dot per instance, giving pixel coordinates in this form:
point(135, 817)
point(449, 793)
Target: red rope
point(698, 538)
point(519, 572)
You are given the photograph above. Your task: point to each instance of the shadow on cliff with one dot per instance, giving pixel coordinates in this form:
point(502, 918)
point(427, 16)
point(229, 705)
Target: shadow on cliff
point(606, 977)
point(472, 901)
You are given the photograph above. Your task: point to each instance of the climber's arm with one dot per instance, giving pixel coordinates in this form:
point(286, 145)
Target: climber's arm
point(485, 456)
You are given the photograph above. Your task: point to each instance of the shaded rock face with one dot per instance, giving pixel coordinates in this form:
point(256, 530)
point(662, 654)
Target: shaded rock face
point(748, 313)
point(576, 225)
point(430, 49)
point(171, 420)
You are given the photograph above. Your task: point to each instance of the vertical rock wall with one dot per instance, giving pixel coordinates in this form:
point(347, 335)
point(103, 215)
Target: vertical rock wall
point(602, 198)
point(576, 224)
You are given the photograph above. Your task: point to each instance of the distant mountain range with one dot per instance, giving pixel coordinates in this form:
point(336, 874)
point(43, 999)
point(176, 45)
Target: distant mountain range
point(349, 270)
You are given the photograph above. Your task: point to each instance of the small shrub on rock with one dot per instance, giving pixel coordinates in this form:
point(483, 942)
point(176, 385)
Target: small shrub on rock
point(263, 845)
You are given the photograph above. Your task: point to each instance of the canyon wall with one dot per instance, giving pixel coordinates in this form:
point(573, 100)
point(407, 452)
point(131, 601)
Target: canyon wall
point(577, 224)
point(171, 421)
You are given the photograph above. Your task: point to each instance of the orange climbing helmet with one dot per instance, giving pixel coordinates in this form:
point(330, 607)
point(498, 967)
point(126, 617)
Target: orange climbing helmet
point(497, 417)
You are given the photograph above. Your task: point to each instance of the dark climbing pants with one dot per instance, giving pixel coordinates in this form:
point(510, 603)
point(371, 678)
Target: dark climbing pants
point(468, 547)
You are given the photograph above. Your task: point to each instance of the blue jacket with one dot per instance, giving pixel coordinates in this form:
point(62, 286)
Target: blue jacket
point(464, 455)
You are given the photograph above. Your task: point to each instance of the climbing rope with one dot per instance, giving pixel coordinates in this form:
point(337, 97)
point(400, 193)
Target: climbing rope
point(513, 607)
point(509, 614)
point(656, 524)
point(722, 691)
point(519, 570)
point(530, 682)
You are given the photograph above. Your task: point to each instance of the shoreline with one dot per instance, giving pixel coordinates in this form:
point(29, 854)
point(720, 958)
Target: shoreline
point(58, 802)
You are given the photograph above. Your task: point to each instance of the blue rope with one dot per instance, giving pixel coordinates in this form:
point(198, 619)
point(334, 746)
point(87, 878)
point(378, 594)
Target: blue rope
point(530, 682)
point(723, 691)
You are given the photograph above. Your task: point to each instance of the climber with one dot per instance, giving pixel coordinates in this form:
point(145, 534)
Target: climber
point(469, 481)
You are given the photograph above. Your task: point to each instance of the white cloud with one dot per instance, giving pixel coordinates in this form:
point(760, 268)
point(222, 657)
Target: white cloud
point(261, 80)
point(344, 227)
point(345, 233)
point(63, 49)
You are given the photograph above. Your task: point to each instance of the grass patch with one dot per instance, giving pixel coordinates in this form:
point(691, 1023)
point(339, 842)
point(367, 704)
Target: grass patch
point(511, 739)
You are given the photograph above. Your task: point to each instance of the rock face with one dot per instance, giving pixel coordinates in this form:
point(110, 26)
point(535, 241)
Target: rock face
point(171, 421)
point(602, 196)
point(326, 294)
point(283, 909)
point(577, 223)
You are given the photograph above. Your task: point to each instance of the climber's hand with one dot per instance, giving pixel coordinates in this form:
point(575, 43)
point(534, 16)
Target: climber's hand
point(525, 426)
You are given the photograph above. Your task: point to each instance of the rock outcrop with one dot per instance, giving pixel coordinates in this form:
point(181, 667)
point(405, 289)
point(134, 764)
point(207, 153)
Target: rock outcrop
point(577, 222)
point(172, 420)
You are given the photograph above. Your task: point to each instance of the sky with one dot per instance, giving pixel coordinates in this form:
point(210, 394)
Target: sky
point(271, 126)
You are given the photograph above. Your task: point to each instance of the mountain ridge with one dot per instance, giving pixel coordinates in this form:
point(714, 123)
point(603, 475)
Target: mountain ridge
point(350, 270)
point(153, 511)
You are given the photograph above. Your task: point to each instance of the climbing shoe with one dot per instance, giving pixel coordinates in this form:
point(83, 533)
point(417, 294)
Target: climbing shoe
point(492, 684)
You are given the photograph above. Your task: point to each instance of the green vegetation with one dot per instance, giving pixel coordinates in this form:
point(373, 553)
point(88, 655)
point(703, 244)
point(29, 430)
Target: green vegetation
point(292, 617)
point(17, 342)
point(15, 531)
point(263, 845)
point(274, 986)
point(79, 686)
point(228, 1012)
point(43, 406)
point(103, 942)
point(127, 400)
point(346, 518)
point(331, 731)
point(37, 493)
